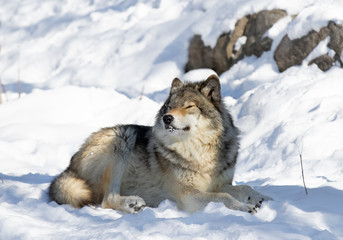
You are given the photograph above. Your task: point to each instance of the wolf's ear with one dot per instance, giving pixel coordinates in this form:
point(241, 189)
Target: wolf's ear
point(211, 88)
point(176, 83)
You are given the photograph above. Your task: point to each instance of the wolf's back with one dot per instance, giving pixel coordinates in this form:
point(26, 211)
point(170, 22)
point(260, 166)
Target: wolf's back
point(67, 188)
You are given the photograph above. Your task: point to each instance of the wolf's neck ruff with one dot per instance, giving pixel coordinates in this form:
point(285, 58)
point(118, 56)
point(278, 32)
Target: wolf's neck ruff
point(191, 153)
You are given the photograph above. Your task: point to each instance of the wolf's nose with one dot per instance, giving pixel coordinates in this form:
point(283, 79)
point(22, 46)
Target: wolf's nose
point(167, 119)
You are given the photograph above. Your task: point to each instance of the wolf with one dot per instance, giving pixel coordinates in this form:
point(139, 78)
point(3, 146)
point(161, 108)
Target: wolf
point(188, 156)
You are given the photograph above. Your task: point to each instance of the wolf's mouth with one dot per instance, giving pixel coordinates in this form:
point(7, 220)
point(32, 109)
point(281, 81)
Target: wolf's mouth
point(173, 129)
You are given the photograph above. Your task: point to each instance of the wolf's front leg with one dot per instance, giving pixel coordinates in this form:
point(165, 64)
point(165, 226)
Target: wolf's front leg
point(112, 198)
point(123, 144)
point(245, 193)
point(195, 200)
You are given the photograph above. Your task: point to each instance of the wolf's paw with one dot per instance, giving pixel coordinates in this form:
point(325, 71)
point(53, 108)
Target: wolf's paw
point(257, 199)
point(252, 209)
point(128, 204)
point(242, 206)
point(134, 204)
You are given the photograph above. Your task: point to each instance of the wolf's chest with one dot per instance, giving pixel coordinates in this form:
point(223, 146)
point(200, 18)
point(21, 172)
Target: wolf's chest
point(210, 181)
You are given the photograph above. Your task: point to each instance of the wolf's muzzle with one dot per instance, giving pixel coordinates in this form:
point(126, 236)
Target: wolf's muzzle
point(167, 119)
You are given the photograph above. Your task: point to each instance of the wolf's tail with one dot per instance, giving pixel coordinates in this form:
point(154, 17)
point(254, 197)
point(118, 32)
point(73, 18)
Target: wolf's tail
point(68, 188)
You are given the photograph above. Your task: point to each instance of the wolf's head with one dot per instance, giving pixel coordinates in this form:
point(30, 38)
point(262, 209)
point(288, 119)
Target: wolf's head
point(192, 109)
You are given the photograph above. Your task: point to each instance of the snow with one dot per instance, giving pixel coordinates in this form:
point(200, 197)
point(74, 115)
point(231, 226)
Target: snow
point(84, 65)
point(316, 16)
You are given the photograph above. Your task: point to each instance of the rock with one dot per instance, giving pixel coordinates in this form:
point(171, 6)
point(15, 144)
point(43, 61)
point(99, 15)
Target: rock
point(336, 37)
point(237, 33)
point(223, 55)
point(336, 41)
point(293, 52)
point(220, 60)
point(258, 25)
point(199, 55)
point(324, 62)
point(287, 54)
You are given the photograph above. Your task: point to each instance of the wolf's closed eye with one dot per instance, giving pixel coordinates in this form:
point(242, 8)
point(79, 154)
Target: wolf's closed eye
point(190, 106)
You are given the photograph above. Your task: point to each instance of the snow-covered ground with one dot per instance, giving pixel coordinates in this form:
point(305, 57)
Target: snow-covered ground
point(84, 65)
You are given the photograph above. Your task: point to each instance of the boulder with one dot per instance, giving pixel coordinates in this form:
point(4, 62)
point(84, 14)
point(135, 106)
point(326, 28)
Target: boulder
point(223, 55)
point(292, 52)
point(220, 61)
point(324, 62)
point(336, 37)
point(199, 55)
point(289, 52)
point(237, 33)
point(257, 26)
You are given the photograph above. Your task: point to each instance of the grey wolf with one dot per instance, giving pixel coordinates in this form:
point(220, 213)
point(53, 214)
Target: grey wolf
point(188, 157)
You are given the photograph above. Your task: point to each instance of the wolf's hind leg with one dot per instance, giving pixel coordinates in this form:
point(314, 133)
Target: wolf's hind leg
point(245, 193)
point(124, 142)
